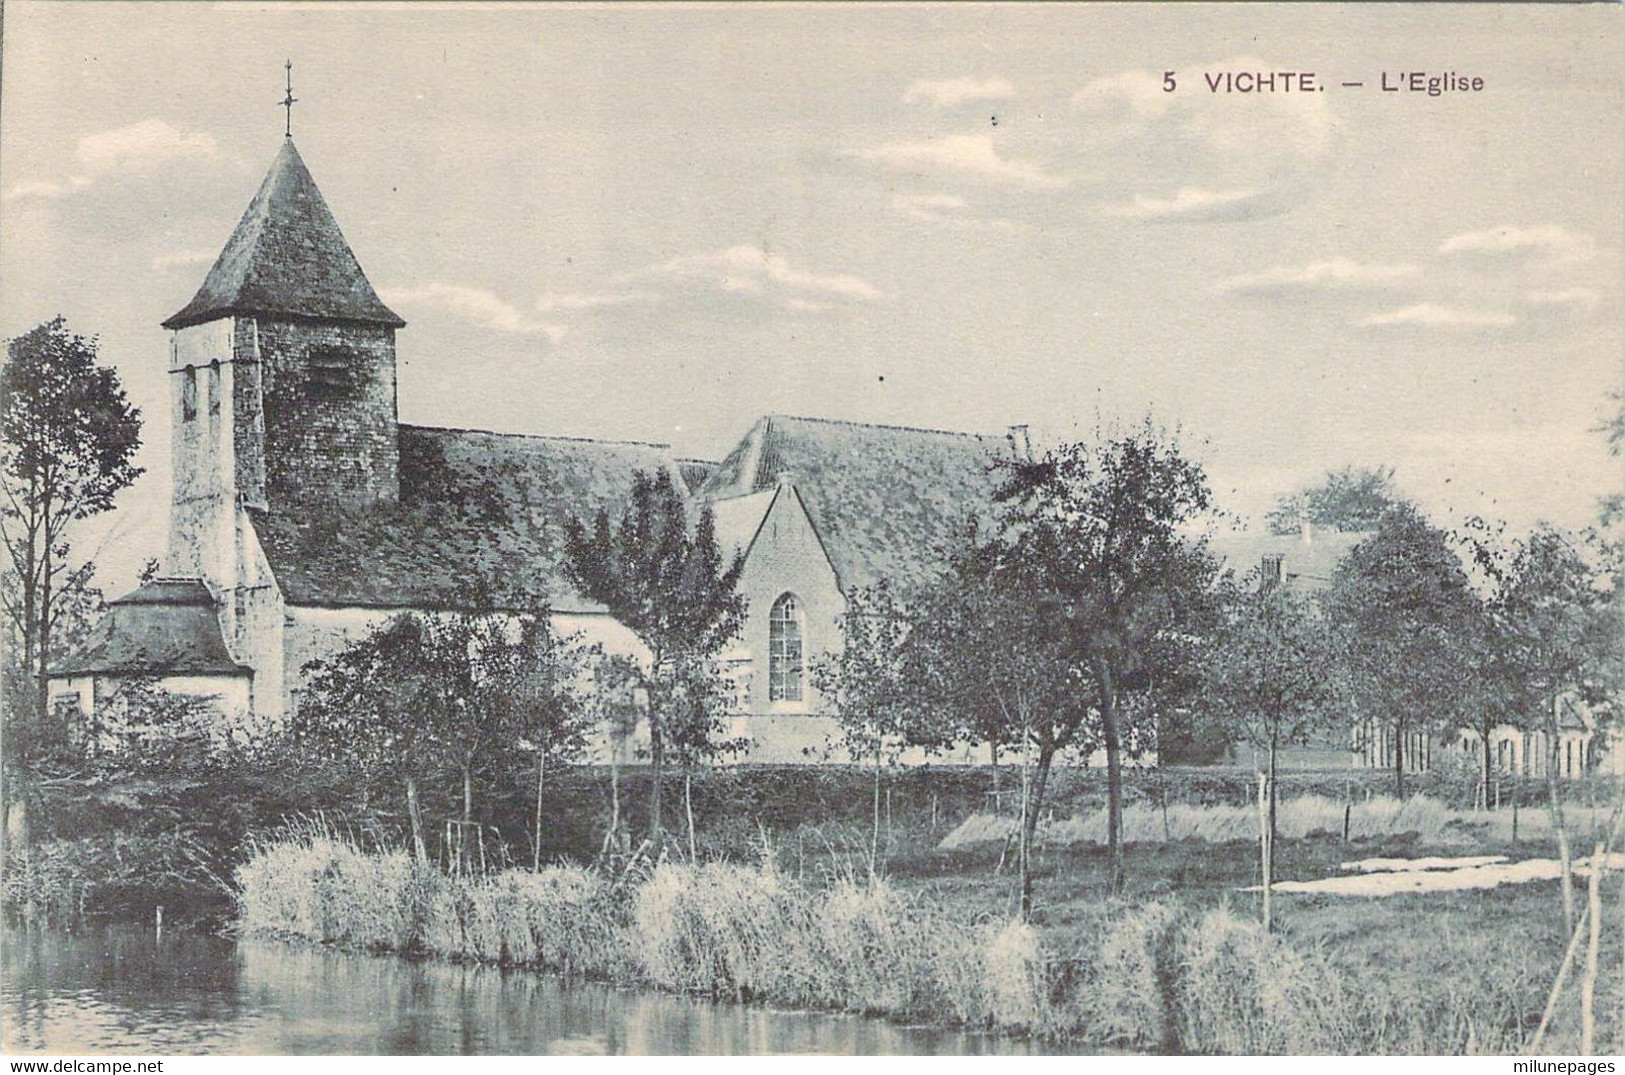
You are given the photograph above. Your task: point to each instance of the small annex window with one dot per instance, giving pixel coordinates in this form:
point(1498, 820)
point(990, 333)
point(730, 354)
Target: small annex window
point(331, 369)
point(785, 667)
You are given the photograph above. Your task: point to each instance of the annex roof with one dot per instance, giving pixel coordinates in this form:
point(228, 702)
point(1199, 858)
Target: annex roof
point(888, 501)
point(166, 627)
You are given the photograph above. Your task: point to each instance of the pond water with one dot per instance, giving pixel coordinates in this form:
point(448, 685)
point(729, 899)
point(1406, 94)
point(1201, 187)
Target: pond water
point(118, 988)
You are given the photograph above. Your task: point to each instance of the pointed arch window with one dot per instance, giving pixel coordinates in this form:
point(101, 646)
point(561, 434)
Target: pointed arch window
point(785, 665)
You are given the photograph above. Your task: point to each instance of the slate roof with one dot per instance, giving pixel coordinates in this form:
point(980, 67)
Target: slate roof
point(167, 626)
point(739, 519)
point(473, 504)
point(1306, 564)
point(287, 256)
point(888, 501)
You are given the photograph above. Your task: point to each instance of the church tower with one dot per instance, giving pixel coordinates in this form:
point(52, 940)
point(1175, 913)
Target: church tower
point(282, 370)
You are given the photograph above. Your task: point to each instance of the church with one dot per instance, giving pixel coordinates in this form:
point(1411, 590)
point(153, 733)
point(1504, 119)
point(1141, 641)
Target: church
point(305, 514)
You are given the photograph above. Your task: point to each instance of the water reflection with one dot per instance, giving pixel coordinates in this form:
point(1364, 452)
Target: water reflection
point(117, 988)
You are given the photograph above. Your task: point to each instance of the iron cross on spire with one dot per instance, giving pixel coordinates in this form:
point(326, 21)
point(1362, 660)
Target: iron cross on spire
point(288, 101)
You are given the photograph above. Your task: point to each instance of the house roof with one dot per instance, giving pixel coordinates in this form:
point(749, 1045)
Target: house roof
point(166, 626)
point(1306, 564)
point(695, 471)
point(287, 256)
point(473, 504)
point(888, 501)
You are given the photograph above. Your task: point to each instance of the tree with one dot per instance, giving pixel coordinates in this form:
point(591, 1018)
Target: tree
point(360, 709)
point(667, 585)
point(1102, 533)
point(1404, 618)
point(1555, 636)
point(1350, 499)
point(991, 671)
point(1270, 680)
point(68, 438)
point(531, 685)
point(869, 683)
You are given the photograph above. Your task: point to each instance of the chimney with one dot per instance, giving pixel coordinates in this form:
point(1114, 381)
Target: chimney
point(1021, 443)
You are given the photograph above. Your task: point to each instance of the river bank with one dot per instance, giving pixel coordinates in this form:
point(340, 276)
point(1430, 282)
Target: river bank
point(1160, 974)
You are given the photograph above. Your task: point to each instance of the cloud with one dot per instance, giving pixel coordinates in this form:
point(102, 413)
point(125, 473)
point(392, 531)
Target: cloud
point(965, 155)
point(1429, 315)
point(1239, 127)
point(1191, 204)
point(749, 270)
point(183, 259)
point(591, 300)
point(1337, 274)
point(473, 304)
point(44, 189)
point(1139, 93)
point(948, 93)
point(951, 211)
point(141, 146)
point(1579, 298)
point(1549, 244)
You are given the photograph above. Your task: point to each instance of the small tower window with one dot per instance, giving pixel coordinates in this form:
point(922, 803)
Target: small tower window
point(214, 388)
point(189, 393)
point(784, 658)
point(331, 369)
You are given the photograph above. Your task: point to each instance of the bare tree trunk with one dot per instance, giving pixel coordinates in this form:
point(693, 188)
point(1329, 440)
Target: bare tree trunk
point(1274, 749)
point(657, 765)
point(1266, 852)
point(1040, 783)
point(1554, 807)
point(614, 801)
point(874, 836)
point(541, 775)
point(1486, 733)
point(1114, 777)
point(415, 816)
point(1024, 863)
point(465, 848)
point(1399, 760)
point(1588, 984)
point(43, 648)
point(688, 808)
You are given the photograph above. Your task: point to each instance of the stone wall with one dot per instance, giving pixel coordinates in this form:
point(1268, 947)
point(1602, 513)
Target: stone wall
point(328, 393)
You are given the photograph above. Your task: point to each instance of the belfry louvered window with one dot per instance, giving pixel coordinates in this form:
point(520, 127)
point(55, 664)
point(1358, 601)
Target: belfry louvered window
point(331, 369)
point(785, 668)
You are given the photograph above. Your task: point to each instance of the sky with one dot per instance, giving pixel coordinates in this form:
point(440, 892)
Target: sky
point(660, 223)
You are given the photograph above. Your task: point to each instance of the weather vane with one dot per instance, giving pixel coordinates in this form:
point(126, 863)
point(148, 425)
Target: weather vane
point(288, 101)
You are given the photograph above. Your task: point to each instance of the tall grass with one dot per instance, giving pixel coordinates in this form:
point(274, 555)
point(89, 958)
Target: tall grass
point(1157, 976)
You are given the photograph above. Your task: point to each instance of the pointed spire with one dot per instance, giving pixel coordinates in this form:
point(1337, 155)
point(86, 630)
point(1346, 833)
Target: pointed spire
point(287, 257)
